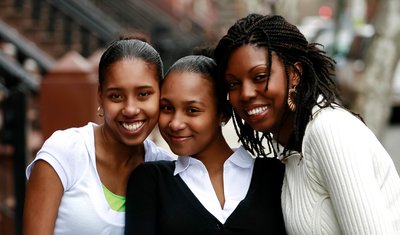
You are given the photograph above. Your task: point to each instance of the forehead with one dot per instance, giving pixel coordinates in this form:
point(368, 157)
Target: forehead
point(247, 55)
point(184, 83)
point(131, 71)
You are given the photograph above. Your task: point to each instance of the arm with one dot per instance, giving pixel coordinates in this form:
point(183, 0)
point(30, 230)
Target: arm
point(141, 201)
point(345, 151)
point(42, 199)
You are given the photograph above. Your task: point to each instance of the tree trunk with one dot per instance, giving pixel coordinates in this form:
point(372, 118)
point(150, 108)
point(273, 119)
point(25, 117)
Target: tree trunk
point(289, 10)
point(374, 102)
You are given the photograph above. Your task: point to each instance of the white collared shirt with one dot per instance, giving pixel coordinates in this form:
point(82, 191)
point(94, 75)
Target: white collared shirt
point(238, 170)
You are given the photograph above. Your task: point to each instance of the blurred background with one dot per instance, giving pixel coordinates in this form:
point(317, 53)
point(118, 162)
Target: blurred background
point(49, 51)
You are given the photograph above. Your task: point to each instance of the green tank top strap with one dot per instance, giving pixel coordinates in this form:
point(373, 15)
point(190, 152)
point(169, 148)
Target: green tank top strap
point(116, 202)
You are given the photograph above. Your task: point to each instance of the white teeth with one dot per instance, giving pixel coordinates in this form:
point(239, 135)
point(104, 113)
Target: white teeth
point(257, 110)
point(132, 126)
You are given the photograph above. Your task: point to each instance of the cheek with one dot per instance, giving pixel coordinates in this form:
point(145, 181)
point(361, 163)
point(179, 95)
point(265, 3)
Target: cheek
point(234, 101)
point(277, 85)
point(279, 96)
point(163, 121)
point(209, 124)
point(111, 110)
point(153, 107)
point(233, 98)
point(154, 112)
point(151, 111)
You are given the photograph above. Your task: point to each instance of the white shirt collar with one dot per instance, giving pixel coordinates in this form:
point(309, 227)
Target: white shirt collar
point(239, 158)
point(237, 174)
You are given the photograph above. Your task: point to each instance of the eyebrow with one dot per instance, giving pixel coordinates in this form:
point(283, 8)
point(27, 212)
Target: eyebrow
point(136, 88)
point(251, 70)
point(189, 102)
point(257, 66)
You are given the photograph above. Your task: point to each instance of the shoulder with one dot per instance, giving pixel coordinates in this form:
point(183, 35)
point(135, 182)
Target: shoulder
point(332, 123)
point(151, 174)
point(268, 174)
point(336, 137)
point(159, 166)
point(338, 117)
point(272, 165)
point(156, 153)
point(67, 151)
point(71, 139)
point(330, 128)
point(335, 116)
point(266, 163)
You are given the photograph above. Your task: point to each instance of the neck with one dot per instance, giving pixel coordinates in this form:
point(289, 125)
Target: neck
point(285, 130)
point(215, 155)
point(213, 159)
point(115, 152)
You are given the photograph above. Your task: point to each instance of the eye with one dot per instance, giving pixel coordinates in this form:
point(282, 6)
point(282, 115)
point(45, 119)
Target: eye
point(232, 84)
point(116, 97)
point(165, 108)
point(192, 110)
point(144, 94)
point(261, 77)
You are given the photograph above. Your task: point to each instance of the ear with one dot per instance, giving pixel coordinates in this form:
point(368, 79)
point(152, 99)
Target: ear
point(224, 118)
point(295, 74)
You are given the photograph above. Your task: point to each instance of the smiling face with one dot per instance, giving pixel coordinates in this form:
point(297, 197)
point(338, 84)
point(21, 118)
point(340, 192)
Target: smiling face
point(130, 99)
point(259, 100)
point(189, 119)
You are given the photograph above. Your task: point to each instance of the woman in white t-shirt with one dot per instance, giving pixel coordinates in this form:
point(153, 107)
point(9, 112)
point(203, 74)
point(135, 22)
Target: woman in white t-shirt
point(77, 182)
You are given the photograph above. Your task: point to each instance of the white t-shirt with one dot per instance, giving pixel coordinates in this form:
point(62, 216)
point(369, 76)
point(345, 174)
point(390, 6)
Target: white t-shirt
point(84, 208)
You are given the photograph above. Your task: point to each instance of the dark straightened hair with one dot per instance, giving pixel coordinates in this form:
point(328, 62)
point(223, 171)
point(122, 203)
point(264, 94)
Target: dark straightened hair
point(129, 48)
point(206, 66)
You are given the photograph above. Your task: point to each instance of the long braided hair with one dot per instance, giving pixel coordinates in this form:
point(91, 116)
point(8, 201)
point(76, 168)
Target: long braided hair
point(278, 36)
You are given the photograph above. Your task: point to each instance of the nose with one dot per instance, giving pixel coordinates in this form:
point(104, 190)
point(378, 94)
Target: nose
point(131, 108)
point(177, 123)
point(249, 90)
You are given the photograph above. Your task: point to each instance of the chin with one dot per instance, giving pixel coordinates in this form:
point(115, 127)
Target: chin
point(181, 152)
point(260, 128)
point(133, 142)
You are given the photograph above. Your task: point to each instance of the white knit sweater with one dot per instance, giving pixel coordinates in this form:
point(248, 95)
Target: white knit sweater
point(345, 183)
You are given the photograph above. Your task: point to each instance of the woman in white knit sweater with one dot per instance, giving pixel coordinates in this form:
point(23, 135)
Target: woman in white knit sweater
point(339, 179)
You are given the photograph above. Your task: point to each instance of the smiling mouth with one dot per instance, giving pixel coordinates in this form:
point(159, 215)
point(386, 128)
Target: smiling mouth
point(257, 110)
point(132, 126)
point(178, 138)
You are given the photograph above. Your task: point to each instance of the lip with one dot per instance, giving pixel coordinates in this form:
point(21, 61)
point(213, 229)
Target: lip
point(256, 112)
point(132, 127)
point(178, 139)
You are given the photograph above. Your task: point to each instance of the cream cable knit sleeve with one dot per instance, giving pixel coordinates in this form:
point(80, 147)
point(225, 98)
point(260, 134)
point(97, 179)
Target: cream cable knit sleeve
point(344, 157)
